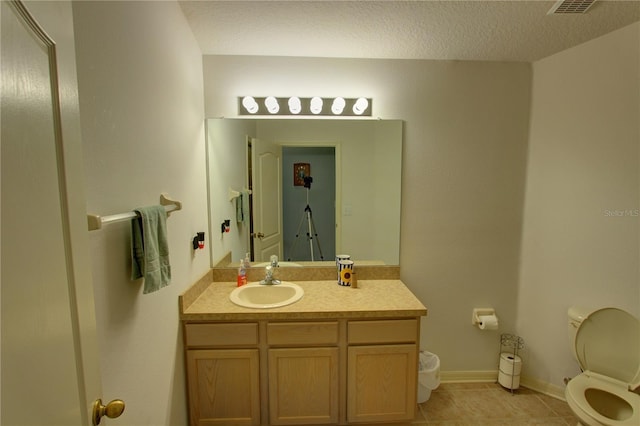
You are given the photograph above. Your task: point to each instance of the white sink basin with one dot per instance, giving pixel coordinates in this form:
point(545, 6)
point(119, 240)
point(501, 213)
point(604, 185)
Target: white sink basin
point(260, 296)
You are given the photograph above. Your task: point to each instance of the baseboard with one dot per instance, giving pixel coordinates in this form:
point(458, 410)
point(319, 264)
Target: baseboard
point(543, 387)
point(491, 376)
point(477, 376)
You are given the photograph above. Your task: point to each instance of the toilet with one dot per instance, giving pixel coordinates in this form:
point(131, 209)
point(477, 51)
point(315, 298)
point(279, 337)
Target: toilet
point(606, 344)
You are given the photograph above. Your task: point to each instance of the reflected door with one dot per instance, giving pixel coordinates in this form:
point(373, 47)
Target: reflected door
point(266, 213)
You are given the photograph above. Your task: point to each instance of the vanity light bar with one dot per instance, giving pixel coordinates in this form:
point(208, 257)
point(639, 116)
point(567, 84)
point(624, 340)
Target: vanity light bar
point(292, 106)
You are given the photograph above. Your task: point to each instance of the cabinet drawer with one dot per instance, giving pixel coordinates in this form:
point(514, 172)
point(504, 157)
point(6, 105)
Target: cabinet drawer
point(221, 334)
point(384, 331)
point(302, 333)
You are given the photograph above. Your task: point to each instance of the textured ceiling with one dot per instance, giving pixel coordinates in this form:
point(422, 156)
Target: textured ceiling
point(515, 30)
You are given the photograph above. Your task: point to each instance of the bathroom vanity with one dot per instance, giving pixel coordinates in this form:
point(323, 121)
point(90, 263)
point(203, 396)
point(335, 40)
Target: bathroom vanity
point(337, 356)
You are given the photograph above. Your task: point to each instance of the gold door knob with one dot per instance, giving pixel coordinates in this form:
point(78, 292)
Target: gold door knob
point(111, 410)
point(258, 235)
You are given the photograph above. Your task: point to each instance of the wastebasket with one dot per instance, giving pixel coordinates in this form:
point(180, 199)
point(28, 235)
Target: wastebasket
point(428, 375)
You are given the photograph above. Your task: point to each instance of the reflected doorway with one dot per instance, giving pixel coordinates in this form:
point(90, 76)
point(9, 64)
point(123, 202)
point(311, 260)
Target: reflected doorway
point(321, 193)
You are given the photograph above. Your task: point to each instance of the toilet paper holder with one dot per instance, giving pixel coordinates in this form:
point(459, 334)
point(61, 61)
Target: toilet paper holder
point(478, 312)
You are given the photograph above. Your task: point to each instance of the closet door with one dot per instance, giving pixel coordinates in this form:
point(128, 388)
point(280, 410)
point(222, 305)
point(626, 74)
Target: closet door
point(267, 199)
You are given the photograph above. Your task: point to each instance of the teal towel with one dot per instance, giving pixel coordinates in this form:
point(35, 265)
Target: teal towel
point(239, 210)
point(242, 207)
point(150, 249)
point(245, 207)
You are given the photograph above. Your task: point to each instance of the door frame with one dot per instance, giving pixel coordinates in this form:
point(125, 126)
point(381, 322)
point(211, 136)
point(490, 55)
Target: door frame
point(337, 146)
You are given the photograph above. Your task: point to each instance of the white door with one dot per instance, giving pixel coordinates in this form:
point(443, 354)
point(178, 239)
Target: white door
point(49, 359)
point(267, 199)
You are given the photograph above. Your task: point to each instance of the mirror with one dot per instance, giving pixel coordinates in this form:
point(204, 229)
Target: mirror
point(355, 167)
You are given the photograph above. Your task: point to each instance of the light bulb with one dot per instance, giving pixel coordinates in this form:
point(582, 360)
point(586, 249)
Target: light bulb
point(272, 105)
point(250, 104)
point(316, 105)
point(337, 106)
point(295, 106)
point(360, 106)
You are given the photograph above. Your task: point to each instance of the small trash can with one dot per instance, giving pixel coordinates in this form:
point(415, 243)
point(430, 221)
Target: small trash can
point(428, 375)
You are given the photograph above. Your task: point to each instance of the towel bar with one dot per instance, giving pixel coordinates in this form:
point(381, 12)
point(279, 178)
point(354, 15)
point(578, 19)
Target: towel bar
point(95, 221)
point(235, 194)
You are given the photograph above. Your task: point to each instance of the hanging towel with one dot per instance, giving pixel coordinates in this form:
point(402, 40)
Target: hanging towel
point(242, 207)
point(149, 248)
point(245, 206)
point(239, 209)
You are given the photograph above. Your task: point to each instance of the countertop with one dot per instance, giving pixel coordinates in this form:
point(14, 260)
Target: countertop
point(322, 299)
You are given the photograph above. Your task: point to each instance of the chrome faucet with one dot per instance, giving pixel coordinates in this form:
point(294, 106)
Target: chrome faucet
point(270, 269)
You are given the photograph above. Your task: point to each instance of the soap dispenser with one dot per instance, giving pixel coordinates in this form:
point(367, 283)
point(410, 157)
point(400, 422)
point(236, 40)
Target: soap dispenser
point(242, 274)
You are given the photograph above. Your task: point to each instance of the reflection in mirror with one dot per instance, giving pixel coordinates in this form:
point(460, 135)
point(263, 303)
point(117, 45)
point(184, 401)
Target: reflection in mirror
point(353, 193)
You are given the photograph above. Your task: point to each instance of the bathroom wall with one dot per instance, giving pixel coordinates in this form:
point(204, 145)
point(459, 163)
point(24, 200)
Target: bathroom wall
point(141, 107)
point(581, 219)
point(464, 158)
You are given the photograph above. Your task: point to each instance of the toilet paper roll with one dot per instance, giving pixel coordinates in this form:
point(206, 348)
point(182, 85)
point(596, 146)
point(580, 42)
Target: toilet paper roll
point(510, 367)
point(510, 364)
point(508, 381)
point(488, 322)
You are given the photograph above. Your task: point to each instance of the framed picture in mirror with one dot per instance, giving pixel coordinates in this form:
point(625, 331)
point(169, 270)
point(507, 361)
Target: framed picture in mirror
point(300, 171)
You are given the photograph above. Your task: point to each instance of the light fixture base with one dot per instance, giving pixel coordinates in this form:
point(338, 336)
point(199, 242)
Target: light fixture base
point(296, 106)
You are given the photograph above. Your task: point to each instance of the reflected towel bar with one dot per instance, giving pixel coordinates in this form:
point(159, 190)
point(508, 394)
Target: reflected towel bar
point(235, 194)
point(95, 221)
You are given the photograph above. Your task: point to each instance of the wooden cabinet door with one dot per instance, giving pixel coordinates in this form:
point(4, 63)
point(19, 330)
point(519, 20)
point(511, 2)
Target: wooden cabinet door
point(303, 386)
point(224, 387)
point(381, 383)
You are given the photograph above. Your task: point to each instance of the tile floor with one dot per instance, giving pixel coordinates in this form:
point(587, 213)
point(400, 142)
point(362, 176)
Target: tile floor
point(489, 404)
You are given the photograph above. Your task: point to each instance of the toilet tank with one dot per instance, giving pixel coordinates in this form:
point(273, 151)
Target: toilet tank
point(576, 314)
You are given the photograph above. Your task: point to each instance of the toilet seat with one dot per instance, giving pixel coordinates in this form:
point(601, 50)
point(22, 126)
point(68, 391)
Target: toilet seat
point(607, 344)
point(576, 396)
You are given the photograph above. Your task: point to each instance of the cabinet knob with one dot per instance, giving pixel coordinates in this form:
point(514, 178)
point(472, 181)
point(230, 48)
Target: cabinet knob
point(112, 410)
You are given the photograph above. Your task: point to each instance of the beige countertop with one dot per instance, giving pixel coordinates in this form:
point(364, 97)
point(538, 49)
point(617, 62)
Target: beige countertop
point(322, 299)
